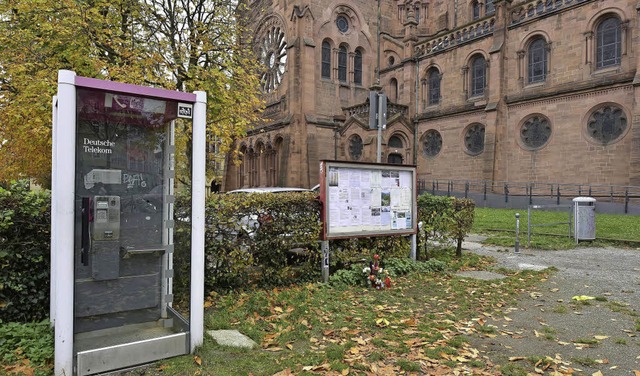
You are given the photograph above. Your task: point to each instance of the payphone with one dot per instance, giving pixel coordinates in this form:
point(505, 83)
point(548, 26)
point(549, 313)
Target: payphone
point(121, 241)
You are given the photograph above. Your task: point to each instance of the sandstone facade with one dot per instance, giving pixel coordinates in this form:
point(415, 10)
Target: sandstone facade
point(523, 91)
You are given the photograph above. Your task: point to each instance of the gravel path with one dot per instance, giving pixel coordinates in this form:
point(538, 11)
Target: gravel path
point(599, 335)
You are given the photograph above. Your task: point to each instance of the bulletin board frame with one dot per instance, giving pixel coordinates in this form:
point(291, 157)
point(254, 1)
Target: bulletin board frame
point(367, 199)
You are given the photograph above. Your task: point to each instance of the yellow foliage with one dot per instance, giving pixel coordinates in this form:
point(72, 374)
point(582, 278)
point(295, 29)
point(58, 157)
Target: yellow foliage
point(121, 40)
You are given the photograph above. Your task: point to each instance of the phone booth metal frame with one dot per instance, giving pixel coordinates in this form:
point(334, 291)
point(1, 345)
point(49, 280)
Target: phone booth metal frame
point(64, 207)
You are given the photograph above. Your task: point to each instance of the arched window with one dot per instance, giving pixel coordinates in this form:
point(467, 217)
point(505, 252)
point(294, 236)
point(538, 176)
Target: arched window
point(242, 168)
point(355, 147)
point(489, 8)
point(393, 90)
point(357, 68)
point(326, 60)
point(270, 165)
point(342, 64)
point(433, 78)
point(537, 61)
point(475, 10)
point(254, 168)
point(608, 43)
point(395, 142)
point(478, 75)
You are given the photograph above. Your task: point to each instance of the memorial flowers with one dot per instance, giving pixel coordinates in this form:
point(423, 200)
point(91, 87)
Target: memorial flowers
point(376, 276)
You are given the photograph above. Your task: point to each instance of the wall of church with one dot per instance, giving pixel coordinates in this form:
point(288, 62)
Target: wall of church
point(571, 155)
point(553, 115)
point(454, 161)
point(572, 95)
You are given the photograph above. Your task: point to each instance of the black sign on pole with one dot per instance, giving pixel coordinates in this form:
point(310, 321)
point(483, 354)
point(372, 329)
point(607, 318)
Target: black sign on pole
point(377, 103)
point(373, 110)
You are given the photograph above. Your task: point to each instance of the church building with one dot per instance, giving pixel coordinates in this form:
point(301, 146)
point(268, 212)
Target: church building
point(539, 91)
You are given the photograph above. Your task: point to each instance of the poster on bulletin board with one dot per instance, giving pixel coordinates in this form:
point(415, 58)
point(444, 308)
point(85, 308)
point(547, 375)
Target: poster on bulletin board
point(365, 199)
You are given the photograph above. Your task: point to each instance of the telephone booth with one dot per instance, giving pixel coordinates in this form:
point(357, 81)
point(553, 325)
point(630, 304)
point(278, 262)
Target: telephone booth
point(113, 197)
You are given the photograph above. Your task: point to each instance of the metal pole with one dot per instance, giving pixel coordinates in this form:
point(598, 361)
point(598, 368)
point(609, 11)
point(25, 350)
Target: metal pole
point(529, 227)
point(379, 157)
point(420, 224)
point(414, 246)
point(378, 49)
point(325, 260)
point(517, 249)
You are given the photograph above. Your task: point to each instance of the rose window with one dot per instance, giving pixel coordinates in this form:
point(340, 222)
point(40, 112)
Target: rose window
point(535, 132)
point(273, 55)
point(607, 124)
point(432, 143)
point(474, 139)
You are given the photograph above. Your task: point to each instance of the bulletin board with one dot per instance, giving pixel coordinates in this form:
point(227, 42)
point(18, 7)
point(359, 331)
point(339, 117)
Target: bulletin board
point(364, 199)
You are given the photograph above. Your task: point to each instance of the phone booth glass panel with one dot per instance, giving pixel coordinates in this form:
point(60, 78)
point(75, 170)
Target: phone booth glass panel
point(123, 248)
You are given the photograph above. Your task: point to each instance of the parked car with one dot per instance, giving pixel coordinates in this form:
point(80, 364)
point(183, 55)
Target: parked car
point(269, 190)
point(251, 224)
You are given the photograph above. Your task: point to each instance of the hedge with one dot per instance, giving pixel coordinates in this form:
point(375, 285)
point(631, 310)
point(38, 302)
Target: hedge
point(281, 249)
point(24, 253)
point(445, 218)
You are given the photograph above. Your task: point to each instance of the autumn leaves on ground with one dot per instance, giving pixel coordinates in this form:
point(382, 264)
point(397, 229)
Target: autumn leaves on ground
point(420, 325)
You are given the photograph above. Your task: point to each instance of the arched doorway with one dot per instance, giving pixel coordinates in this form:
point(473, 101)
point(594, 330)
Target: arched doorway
point(394, 158)
point(395, 143)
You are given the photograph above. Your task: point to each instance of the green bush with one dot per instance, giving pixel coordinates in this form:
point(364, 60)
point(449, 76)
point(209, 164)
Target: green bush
point(395, 266)
point(249, 240)
point(24, 253)
point(463, 215)
point(33, 341)
point(345, 252)
point(445, 219)
point(353, 276)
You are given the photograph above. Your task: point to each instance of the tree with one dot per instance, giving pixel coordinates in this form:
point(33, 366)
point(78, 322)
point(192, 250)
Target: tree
point(174, 44)
point(198, 43)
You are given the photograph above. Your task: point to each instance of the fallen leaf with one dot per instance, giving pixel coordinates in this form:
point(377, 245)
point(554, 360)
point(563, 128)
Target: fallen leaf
point(514, 358)
point(197, 360)
point(382, 322)
point(597, 373)
point(284, 372)
point(321, 367)
point(582, 298)
point(600, 337)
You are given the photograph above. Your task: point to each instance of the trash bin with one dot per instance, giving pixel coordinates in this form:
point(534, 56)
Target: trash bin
point(584, 218)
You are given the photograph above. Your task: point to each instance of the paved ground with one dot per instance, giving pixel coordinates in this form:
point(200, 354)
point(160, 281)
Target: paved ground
point(598, 336)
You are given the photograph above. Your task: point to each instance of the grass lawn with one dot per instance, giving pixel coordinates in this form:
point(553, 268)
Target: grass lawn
point(500, 224)
point(419, 325)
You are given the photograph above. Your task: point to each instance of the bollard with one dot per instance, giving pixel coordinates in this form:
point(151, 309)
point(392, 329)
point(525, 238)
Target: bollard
point(517, 249)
